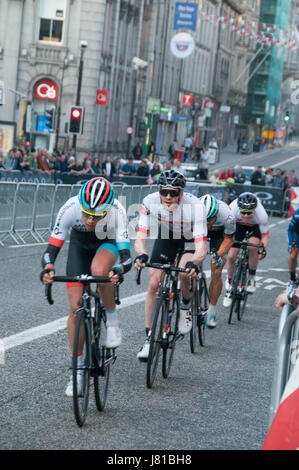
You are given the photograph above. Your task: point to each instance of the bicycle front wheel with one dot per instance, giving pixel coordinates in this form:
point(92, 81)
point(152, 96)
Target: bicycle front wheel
point(101, 363)
point(155, 343)
point(81, 368)
point(244, 297)
point(195, 310)
point(235, 305)
point(169, 341)
point(204, 301)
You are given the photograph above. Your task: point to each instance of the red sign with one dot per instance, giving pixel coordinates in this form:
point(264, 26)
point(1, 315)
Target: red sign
point(46, 90)
point(102, 97)
point(187, 100)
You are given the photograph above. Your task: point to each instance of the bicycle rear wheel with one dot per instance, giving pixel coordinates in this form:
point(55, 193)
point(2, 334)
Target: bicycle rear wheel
point(81, 393)
point(168, 344)
point(102, 366)
point(155, 343)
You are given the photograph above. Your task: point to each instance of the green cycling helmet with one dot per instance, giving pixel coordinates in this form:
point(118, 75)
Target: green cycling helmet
point(211, 203)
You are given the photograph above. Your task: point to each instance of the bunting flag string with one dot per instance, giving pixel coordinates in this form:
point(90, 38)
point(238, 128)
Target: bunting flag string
point(268, 35)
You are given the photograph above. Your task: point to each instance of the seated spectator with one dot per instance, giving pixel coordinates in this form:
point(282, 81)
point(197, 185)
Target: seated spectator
point(108, 168)
point(214, 179)
point(77, 169)
point(143, 169)
point(96, 166)
point(269, 177)
point(129, 168)
point(239, 176)
point(257, 178)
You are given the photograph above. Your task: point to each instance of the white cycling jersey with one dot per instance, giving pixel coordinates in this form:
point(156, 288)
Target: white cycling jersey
point(188, 220)
point(112, 226)
point(259, 217)
point(225, 218)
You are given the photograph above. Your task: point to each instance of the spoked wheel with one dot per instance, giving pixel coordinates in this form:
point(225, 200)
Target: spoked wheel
point(170, 341)
point(204, 305)
point(82, 369)
point(195, 317)
point(155, 343)
point(243, 299)
point(235, 307)
point(101, 363)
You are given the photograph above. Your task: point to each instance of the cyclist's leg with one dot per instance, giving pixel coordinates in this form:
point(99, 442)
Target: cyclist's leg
point(253, 259)
point(155, 277)
point(216, 238)
point(185, 320)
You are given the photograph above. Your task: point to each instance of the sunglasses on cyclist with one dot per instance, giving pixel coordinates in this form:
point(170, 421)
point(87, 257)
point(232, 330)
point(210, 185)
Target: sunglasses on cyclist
point(92, 215)
point(246, 212)
point(171, 192)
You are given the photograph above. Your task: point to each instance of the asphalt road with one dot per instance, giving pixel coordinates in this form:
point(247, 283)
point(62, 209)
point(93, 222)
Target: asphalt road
point(216, 399)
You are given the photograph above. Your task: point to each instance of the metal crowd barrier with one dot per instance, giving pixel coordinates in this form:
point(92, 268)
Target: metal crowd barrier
point(28, 209)
point(287, 353)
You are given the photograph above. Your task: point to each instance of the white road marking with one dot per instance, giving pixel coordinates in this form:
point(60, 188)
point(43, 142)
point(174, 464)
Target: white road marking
point(37, 332)
point(285, 161)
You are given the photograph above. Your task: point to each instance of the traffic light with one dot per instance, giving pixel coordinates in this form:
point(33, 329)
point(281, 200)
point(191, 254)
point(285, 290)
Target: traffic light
point(141, 130)
point(49, 122)
point(76, 119)
point(287, 116)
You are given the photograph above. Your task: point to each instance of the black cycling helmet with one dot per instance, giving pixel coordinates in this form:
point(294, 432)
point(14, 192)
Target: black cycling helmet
point(172, 178)
point(247, 201)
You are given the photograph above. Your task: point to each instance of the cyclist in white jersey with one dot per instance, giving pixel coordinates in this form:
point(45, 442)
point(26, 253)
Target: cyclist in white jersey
point(250, 216)
point(98, 224)
point(221, 224)
point(176, 220)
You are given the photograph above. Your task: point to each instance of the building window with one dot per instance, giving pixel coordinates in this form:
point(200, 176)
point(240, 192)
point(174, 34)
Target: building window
point(51, 20)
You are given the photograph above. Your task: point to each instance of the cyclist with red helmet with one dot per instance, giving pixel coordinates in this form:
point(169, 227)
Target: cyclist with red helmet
point(175, 220)
point(250, 216)
point(99, 235)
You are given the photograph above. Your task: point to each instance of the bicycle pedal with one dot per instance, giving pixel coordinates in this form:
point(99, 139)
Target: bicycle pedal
point(180, 337)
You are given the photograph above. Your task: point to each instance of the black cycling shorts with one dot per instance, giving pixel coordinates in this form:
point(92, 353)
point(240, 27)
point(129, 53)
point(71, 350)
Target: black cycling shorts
point(241, 230)
point(82, 249)
point(165, 251)
point(216, 237)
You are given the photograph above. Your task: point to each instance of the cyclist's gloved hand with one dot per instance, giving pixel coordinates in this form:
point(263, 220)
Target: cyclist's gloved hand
point(45, 275)
point(189, 265)
point(141, 260)
point(262, 253)
point(117, 270)
point(218, 259)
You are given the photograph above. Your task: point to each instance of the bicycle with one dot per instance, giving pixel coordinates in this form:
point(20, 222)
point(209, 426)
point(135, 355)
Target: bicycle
point(239, 293)
point(199, 307)
point(91, 319)
point(164, 328)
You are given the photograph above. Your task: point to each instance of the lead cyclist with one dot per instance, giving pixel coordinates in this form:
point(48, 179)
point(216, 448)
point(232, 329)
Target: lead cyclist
point(99, 235)
point(180, 222)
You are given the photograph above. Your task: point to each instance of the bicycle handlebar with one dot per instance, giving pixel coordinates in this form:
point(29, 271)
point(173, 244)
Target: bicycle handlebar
point(83, 279)
point(246, 243)
point(163, 267)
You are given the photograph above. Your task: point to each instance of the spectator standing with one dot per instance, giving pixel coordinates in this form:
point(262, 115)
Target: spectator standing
point(25, 163)
point(224, 175)
point(239, 176)
point(204, 161)
point(278, 180)
point(117, 165)
point(188, 147)
point(77, 169)
point(70, 163)
point(269, 177)
point(151, 151)
point(129, 168)
point(292, 179)
point(200, 173)
point(108, 168)
point(85, 159)
point(95, 165)
point(143, 169)
point(257, 178)
point(137, 151)
point(88, 170)
point(156, 171)
point(213, 143)
point(172, 148)
point(61, 163)
point(2, 167)
point(177, 165)
point(9, 159)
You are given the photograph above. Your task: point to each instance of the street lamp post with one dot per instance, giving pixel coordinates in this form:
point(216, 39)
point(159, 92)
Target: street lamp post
point(83, 45)
point(137, 64)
